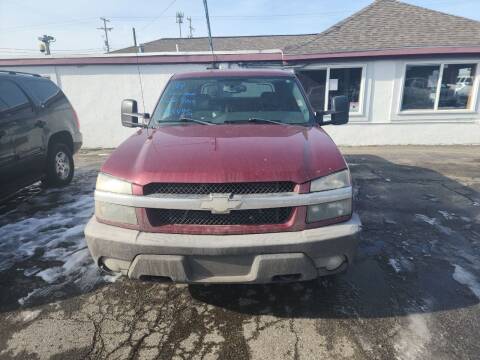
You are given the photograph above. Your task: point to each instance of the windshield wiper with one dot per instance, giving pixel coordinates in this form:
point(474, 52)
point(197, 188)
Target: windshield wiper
point(188, 119)
point(259, 120)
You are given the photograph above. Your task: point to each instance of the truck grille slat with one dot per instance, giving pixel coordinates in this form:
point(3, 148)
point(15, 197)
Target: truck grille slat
point(209, 188)
point(159, 217)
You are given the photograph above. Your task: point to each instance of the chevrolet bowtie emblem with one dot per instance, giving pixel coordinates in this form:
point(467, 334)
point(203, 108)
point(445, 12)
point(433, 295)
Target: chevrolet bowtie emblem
point(220, 203)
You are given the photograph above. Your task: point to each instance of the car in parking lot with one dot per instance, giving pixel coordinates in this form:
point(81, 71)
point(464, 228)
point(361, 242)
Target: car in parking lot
point(39, 133)
point(231, 180)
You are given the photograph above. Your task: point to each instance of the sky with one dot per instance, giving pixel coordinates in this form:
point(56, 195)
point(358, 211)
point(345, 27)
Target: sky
point(74, 23)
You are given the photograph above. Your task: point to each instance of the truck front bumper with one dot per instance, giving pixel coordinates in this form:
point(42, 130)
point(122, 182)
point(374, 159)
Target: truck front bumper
point(247, 258)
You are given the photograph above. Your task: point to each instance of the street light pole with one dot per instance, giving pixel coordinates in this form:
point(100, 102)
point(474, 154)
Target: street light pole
point(46, 40)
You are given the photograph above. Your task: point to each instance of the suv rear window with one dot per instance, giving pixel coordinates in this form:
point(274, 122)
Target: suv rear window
point(42, 89)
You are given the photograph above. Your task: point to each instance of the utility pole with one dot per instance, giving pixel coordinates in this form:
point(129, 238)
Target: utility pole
point(45, 46)
point(190, 27)
point(134, 37)
point(106, 30)
point(179, 21)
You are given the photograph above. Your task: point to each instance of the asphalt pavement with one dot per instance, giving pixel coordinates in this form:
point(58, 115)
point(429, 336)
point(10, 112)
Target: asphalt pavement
point(413, 292)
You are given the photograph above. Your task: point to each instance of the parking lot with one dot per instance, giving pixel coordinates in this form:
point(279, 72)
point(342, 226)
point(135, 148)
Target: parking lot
point(413, 292)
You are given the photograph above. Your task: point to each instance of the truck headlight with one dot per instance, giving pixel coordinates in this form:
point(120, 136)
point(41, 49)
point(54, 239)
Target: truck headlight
point(113, 212)
point(112, 184)
point(333, 181)
point(332, 209)
point(329, 210)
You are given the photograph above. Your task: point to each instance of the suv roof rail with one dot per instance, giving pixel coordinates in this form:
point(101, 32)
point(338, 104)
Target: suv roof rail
point(12, 72)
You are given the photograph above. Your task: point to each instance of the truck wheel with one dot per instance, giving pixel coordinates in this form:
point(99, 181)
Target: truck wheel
point(60, 166)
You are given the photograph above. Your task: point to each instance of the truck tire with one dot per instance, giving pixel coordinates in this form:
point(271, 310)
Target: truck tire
point(60, 166)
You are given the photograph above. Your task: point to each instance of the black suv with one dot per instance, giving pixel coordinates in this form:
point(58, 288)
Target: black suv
point(39, 133)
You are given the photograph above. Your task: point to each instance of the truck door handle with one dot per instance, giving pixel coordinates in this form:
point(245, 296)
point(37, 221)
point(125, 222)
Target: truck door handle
point(40, 124)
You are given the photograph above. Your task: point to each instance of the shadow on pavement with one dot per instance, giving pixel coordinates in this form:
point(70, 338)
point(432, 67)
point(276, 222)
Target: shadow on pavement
point(417, 252)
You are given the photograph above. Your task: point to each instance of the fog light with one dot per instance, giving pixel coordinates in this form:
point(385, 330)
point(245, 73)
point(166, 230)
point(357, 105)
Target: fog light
point(330, 263)
point(115, 213)
point(115, 265)
point(329, 210)
point(334, 262)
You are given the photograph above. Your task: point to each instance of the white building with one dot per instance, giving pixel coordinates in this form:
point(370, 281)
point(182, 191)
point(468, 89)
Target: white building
point(411, 75)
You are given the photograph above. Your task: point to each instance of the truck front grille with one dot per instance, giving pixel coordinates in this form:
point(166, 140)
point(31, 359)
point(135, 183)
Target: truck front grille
point(159, 217)
point(209, 188)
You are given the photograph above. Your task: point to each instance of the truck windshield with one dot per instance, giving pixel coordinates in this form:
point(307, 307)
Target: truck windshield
point(232, 100)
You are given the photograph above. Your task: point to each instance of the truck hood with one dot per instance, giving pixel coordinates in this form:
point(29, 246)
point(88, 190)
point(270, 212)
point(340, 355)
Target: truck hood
point(225, 153)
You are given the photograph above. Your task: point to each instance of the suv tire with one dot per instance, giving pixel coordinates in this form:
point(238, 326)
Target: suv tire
point(60, 166)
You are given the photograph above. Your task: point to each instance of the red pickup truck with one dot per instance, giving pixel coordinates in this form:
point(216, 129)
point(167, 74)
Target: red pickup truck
point(230, 180)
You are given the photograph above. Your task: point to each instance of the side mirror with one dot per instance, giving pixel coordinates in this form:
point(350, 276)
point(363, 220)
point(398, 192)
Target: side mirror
point(340, 110)
point(338, 114)
point(130, 114)
point(129, 108)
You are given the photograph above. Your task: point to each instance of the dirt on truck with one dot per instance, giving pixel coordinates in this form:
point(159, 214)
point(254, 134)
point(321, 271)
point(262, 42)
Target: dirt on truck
point(231, 180)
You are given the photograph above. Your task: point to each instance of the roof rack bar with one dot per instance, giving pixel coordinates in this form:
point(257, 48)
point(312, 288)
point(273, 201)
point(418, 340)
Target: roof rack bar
point(11, 72)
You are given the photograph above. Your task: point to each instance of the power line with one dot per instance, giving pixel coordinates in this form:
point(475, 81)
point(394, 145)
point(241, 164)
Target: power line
point(62, 23)
point(160, 15)
point(35, 50)
point(153, 18)
point(106, 30)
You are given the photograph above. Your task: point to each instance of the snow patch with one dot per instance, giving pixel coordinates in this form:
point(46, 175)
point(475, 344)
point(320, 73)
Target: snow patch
point(401, 265)
point(412, 341)
point(28, 315)
point(426, 219)
point(24, 299)
point(446, 214)
point(434, 222)
point(466, 278)
point(395, 265)
point(52, 235)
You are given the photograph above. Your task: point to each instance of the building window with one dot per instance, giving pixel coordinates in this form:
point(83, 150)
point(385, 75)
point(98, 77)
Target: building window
point(334, 81)
point(314, 83)
point(456, 87)
point(346, 82)
point(438, 87)
point(420, 87)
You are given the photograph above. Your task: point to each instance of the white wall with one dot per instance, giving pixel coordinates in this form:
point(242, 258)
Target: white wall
point(96, 92)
